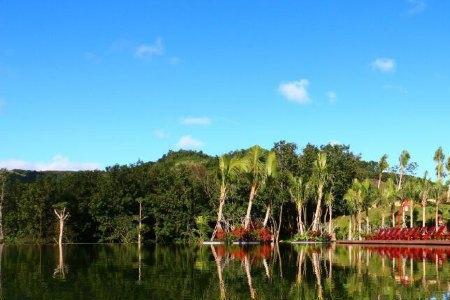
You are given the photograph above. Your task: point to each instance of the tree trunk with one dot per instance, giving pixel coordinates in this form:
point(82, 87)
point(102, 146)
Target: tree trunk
point(316, 221)
point(411, 214)
point(61, 231)
point(448, 193)
point(140, 224)
point(220, 211)
point(299, 219)
point(62, 216)
point(330, 222)
point(393, 219)
point(437, 214)
point(266, 218)
point(403, 218)
point(249, 207)
point(277, 238)
point(400, 180)
point(367, 222)
point(423, 214)
point(383, 220)
point(350, 237)
point(379, 180)
point(359, 225)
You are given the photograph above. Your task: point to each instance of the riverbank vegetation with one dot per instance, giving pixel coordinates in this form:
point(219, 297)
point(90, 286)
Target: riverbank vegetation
point(186, 196)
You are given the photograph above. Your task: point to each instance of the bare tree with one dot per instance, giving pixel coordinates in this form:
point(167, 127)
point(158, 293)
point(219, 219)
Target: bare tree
point(62, 215)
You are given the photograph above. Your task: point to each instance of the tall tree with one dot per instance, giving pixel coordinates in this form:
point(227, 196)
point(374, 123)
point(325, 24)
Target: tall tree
point(425, 187)
point(403, 163)
point(329, 200)
point(271, 172)
point(354, 198)
point(439, 158)
point(387, 198)
point(63, 215)
point(368, 196)
point(298, 191)
point(256, 165)
point(228, 168)
point(382, 166)
point(447, 167)
point(319, 179)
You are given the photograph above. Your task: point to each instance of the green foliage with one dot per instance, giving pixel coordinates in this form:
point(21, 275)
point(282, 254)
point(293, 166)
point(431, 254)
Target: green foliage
point(175, 191)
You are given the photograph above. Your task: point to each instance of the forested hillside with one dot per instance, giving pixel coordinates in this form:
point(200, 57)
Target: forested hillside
point(179, 195)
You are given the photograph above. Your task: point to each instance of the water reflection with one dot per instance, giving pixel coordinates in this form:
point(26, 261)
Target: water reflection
point(61, 268)
point(224, 272)
point(379, 272)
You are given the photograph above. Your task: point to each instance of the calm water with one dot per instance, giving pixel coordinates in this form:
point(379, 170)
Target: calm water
point(261, 272)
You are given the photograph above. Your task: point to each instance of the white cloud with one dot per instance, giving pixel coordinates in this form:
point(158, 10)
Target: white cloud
point(160, 134)
point(149, 51)
point(334, 143)
point(196, 121)
point(384, 65)
point(332, 97)
point(57, 163)
point(187, 142)
point(295, 91)
point(416, 7)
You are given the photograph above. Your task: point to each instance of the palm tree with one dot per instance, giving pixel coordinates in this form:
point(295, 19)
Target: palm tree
point(439, 160)
point(319, 179)
point(270, 175)
point(367, 200)
point(354, 197)
point(387, 198)
point(403, 163)
point(447, 166)
point(411, 192)
point(440, 173)
point(258, 168)
point(425, 187)
point(383, 165)
point(228, 168)
point(298, 190)
point(329, 200)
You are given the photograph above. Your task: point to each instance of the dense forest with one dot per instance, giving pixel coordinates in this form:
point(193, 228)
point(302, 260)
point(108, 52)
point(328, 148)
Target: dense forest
point(176, 199)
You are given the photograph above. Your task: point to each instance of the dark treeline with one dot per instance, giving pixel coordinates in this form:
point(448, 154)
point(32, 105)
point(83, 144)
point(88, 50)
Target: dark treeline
point(179, 195)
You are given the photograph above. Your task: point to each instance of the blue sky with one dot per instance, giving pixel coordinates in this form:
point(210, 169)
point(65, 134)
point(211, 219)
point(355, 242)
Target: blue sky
point(86, 85)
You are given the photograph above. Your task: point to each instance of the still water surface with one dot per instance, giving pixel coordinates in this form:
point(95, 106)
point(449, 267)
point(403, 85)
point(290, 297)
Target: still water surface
point(217, 272)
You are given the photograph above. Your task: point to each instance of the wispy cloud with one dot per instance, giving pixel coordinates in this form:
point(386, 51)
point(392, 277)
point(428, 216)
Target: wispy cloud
point(174, 60)
point(384, 65)
point(397, 88)
point(161, 134)
point(92, 57)
point(196, 121)
point(57, 163)
point(416, 7)
point(187, 142)
point(332, 97)
point(295, 91)
point(150, 50)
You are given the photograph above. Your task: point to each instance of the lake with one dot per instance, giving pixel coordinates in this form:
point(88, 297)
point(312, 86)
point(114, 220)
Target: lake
point(218, 272)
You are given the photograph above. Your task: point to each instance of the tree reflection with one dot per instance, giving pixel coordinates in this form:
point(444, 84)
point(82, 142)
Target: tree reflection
point(61, 269)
